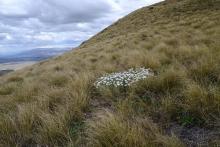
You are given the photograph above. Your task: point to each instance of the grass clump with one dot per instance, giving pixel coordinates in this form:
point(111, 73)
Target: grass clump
point(112, 130)
point(58, 80)
point(15, 79)
point(167, 82)
point(206, 72)
point(203, 103)
point(7, 89)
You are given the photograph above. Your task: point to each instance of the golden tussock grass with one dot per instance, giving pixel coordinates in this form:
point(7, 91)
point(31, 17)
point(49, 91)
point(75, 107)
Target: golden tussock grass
point(54, 103)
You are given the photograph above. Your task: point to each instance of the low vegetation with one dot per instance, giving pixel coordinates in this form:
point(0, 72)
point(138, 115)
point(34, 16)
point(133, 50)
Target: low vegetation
point(55, 102)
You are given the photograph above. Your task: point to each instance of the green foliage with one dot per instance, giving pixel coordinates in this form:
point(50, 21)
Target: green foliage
point(76, 127)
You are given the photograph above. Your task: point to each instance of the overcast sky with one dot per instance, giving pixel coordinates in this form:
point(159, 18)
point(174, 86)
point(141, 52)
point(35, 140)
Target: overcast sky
point(27, 24)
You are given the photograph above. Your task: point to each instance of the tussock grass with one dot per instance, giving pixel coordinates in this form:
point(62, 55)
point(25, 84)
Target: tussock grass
point(15, 79)
point(7, 89)
point(111, 130)
point(58, 80)
point(203, 103)
point(55, 103)
point(165, 83)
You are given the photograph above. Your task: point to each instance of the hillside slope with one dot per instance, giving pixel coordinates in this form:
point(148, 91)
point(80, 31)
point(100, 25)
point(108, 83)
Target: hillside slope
point(55, 103)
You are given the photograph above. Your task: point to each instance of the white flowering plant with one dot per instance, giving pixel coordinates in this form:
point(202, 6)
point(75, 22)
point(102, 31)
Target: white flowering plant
point(123, 79)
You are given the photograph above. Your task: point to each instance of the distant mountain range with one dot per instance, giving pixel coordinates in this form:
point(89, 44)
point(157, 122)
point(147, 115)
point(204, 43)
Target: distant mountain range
point(36, 54)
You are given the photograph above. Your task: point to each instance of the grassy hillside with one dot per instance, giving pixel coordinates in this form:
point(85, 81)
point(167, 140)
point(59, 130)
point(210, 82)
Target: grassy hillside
point(55, 103)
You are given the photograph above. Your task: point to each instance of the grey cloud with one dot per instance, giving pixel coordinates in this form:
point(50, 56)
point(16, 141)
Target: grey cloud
point(26, 24)
point(59, 12)
point(74, 11)
point(2, 37)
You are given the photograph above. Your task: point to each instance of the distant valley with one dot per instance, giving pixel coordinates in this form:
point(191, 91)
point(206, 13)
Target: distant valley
point(9, 63)
point(36, 54)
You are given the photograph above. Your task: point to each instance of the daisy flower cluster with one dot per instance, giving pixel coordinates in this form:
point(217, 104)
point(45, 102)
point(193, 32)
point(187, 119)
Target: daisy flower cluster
point(123, 78)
